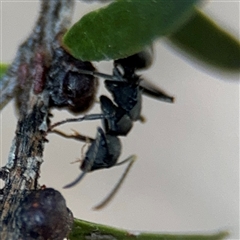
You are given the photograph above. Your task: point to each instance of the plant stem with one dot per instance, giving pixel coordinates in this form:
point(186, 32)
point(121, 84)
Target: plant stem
point(23, 80)
point(91, 231)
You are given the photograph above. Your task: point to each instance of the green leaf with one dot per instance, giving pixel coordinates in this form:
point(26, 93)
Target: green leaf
point(87, 230)
point(3, 69)
point(203, 39)
point(125, 27)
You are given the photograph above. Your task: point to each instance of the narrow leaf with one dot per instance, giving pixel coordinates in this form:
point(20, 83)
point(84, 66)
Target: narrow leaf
point(125, 27)
point(87, 230)
point(203, 39)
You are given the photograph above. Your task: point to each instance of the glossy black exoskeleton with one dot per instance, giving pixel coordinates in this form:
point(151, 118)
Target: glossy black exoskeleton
point(126, 68)
point(126, 88)
point(131, 64)
point(127, 95)
point(116, 121)
point(68, 87)
point(103, 152)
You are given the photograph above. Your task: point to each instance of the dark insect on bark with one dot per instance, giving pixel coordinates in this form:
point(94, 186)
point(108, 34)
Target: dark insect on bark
point(68, 87)
point(117, 115)
point(43, 214)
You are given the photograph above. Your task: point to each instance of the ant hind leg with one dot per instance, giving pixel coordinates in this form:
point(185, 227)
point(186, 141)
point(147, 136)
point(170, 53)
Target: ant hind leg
point(131, 160)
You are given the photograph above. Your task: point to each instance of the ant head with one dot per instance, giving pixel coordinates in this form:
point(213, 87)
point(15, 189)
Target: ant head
point(138, 61)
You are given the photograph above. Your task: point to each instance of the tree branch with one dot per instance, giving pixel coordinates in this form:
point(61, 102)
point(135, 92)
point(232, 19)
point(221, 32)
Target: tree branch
point(25, 81)
point(54, 18)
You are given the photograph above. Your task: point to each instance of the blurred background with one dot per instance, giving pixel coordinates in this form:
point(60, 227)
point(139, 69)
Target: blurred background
point(186, 177)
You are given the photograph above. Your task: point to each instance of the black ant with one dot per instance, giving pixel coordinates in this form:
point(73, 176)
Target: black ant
point(117, 117)
point(103, 152)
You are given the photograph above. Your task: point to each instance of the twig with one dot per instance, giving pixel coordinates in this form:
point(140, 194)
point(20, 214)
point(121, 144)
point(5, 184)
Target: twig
point(24, 76)
point(54, 18)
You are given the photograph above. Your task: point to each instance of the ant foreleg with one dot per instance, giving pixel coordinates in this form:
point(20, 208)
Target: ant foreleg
point(76, 136)
point(86, 117)
point(131, 160)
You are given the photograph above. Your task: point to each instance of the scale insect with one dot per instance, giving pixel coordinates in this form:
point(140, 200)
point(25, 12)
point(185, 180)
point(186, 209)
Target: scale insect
point(67, 87)
point(117, 116)
point(43, 214)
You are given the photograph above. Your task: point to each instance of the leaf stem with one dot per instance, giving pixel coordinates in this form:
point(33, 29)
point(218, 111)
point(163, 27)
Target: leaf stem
point(87, 230)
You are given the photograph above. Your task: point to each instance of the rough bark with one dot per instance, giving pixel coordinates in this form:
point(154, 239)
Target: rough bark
point(25, 80)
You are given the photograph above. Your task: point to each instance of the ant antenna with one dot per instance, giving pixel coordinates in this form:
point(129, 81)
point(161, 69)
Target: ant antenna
point(131, 160)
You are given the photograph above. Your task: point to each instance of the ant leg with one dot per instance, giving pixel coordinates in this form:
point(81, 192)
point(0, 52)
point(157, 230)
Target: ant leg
point(117, 73)
point(76, 136)
point(131, 160)
point(80, 177)
point(153, 91)
point(142, 119)
point(77, 180)
point(101, 75)
point(86, 117)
